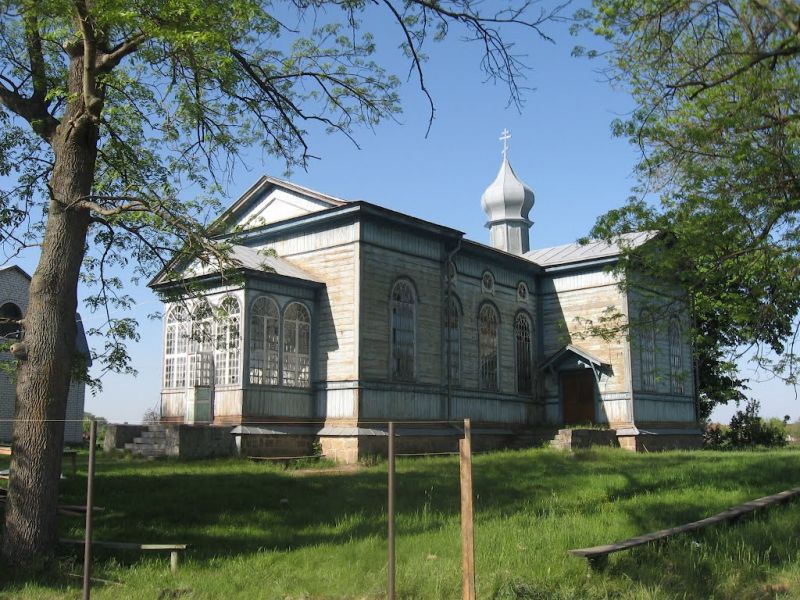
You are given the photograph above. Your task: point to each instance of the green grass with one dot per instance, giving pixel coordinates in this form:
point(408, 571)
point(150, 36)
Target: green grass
point(531, 507)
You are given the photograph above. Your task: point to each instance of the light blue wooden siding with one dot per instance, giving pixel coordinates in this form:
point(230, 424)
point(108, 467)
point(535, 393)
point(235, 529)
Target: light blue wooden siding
point(470, 267)
point(659, 409)
point(429, 403)
point(386, 256)
point(331, 257)
point(661, 404)
point(400, 403)
point(278, 402)
point(491, 408)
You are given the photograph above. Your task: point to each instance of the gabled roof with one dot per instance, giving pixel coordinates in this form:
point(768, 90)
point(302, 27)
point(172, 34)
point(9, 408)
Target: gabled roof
point(252, 195)
point(243, 257)
point(254, 260)
point(573, 351)
point(594, 250)
point(19, 270)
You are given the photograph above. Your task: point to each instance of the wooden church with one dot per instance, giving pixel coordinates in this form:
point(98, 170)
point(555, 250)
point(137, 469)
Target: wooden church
point(343, 315)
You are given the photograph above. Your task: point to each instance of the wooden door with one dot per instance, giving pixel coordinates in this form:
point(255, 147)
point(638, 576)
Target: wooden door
point(577, 394)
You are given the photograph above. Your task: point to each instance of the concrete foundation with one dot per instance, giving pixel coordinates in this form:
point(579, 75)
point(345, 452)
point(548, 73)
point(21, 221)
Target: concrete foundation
point(117, 435)
point(349, 442)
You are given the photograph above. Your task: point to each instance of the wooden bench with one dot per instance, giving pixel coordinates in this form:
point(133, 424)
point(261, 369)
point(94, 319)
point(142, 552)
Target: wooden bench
point(597, 556)
point(173, 549)
point(68, 452)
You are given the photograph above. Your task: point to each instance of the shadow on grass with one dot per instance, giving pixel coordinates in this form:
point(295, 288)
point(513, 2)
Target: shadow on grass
point(234, 507)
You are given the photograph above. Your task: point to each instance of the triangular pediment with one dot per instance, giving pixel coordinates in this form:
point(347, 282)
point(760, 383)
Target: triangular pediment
point(272, 200)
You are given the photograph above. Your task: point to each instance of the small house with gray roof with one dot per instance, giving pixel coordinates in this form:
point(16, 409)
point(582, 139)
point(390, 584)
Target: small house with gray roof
point(14, 284)
point(343, 315)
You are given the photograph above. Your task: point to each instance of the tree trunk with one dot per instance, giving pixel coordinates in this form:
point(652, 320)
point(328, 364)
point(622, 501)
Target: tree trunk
point(43, 378)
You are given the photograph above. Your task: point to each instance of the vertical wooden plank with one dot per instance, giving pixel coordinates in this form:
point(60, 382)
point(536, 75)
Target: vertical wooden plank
point(87, 541)
point(467, 534)
point(390, 516)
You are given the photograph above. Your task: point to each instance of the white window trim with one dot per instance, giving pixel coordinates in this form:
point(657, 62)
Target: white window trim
point(272, 303)
point(284, 357)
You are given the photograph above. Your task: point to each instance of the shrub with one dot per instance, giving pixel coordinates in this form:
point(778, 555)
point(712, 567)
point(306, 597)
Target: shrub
point(102, 425)
point(746, 430)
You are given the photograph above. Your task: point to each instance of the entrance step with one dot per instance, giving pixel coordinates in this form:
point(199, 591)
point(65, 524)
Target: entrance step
point(572, 439)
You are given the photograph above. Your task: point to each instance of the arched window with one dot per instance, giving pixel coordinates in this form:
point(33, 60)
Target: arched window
point(175, 347)
point(296, 346)
point(452, 320)
point(675, 357)
point(227, 354)
point(8, 328)
point(487, 345)
point(264, 341)
point(647, 349)
point(403, 306)
point(523, 334)
point(200, 345)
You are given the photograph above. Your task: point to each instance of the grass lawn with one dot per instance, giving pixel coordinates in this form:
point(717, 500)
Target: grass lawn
point(531, 507)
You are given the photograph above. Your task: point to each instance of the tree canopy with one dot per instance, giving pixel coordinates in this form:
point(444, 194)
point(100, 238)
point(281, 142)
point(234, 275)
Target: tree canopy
point(716, 87)
point(121, 120)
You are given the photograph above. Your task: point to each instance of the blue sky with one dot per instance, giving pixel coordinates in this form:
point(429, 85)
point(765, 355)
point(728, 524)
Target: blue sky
point(561, 147)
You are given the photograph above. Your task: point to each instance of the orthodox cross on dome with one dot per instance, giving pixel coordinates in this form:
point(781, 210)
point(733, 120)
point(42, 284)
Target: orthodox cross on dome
point(505, 135)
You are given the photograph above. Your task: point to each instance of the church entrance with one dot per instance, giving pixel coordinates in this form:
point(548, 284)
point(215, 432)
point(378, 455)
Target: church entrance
point(577, 394)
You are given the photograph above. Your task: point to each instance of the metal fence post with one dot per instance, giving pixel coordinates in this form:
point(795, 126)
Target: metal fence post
point(87, 539)
point(390, 516)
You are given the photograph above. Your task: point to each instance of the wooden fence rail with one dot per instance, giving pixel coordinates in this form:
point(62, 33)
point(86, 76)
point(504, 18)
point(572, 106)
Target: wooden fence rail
point(598, 555)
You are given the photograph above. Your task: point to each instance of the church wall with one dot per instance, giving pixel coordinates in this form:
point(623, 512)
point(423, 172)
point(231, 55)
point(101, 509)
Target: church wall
point(471, 267)
point(268, 401)
point(662, 403)
point(14, 288)
point(571, 304)
point(227, 399)
point(330, 256)
point(389, 254)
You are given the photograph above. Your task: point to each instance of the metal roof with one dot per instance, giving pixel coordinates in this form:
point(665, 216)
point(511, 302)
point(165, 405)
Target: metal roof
point(250, 258)
point(594, 250)
point(243, 257)
point(568, 350)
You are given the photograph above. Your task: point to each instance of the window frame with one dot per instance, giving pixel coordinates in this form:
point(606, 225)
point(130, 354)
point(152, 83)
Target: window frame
point(173, 365)
point(522, 314)
point(675, 336)
point(647, 351)
point(297, 381)
point(223, 363)
point(483, 381)
point(453, 306)
point(395, 373)
point(267, 354)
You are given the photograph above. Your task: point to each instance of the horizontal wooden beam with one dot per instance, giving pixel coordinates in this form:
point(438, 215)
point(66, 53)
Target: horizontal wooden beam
point(597, 554)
